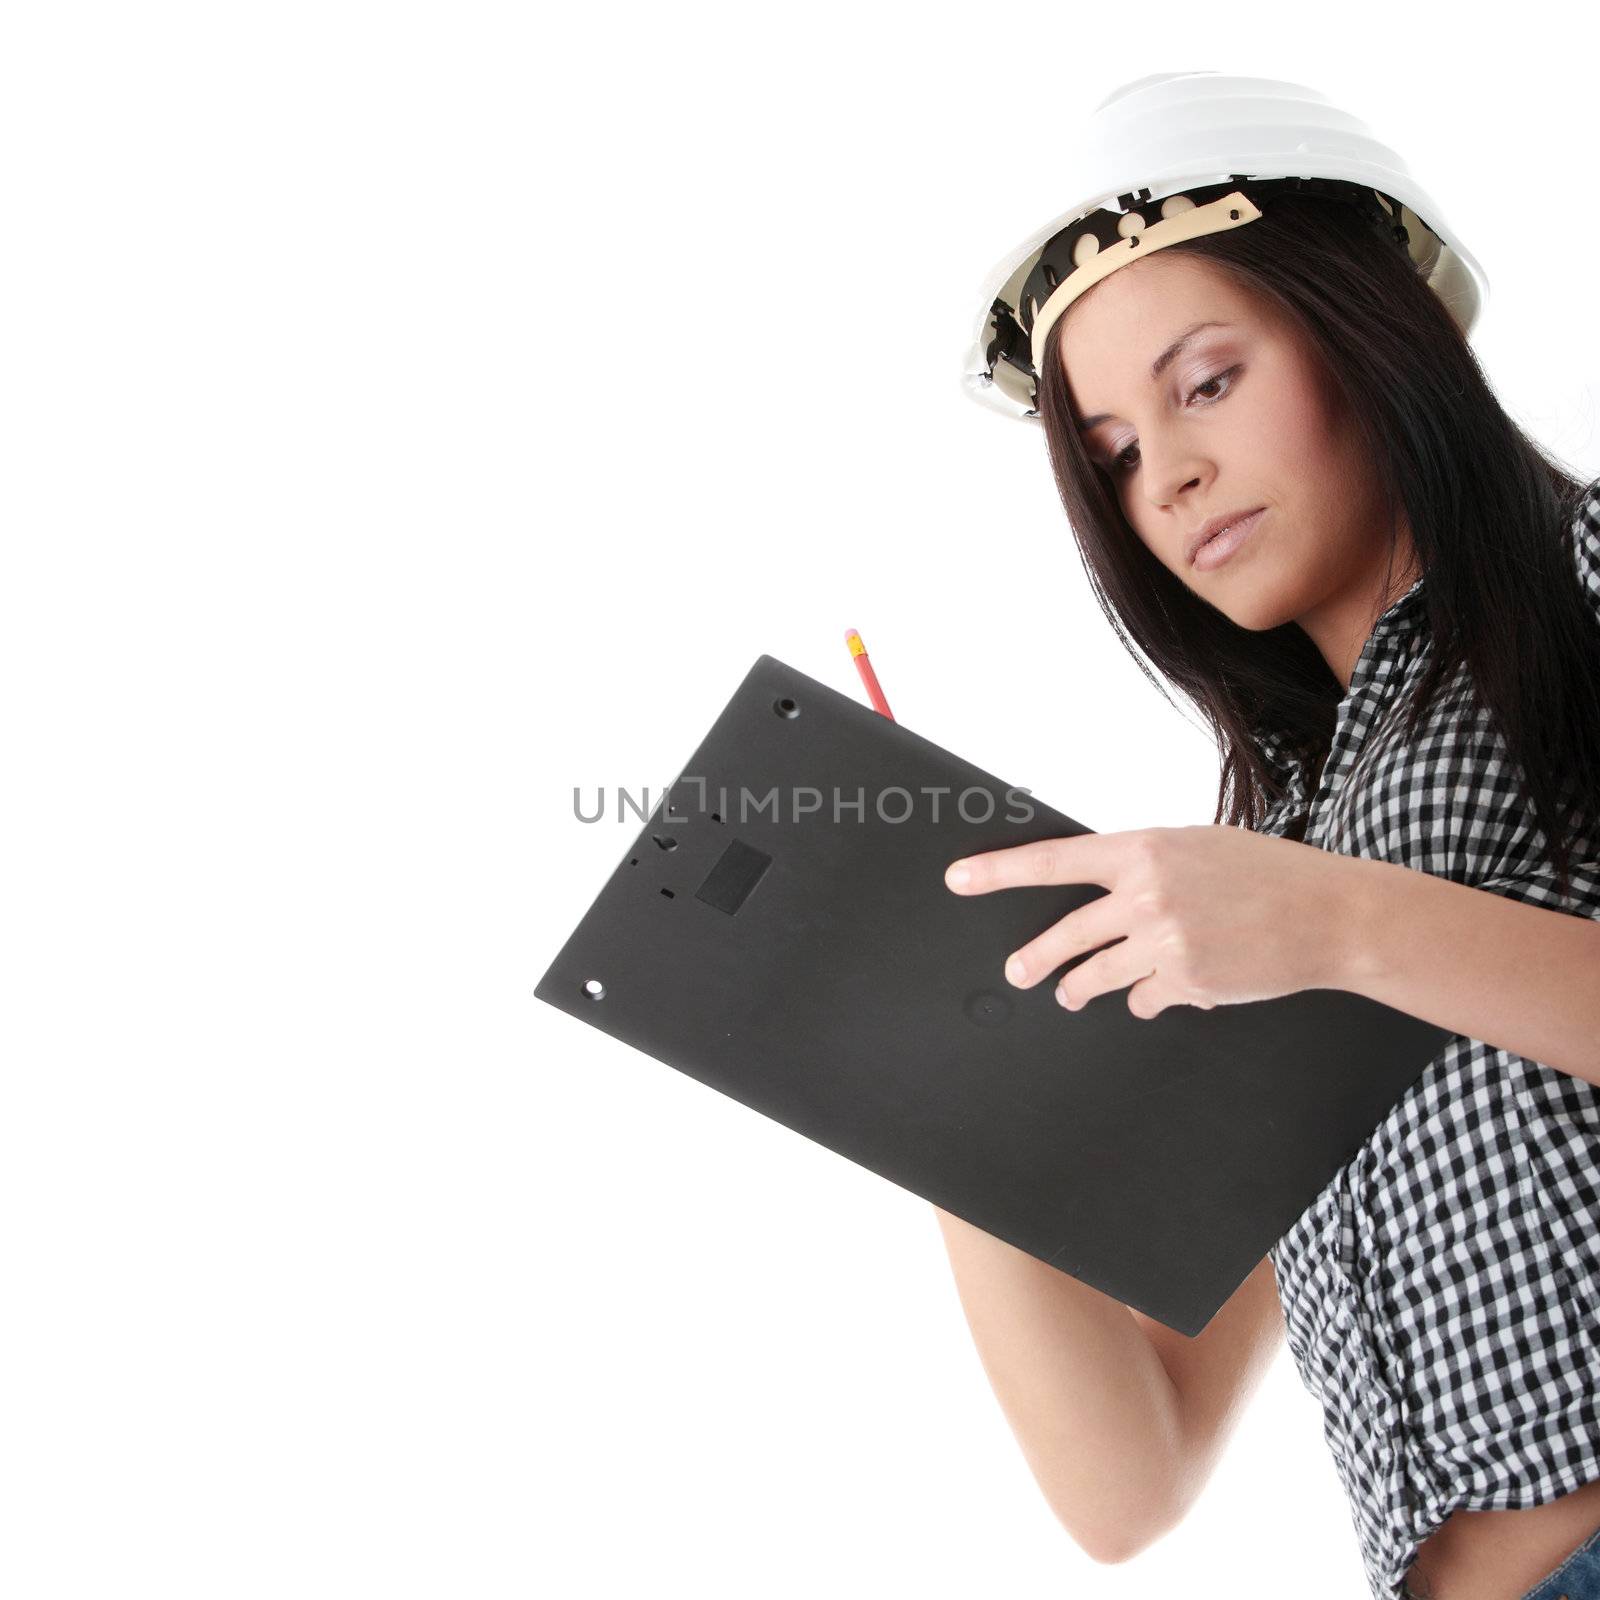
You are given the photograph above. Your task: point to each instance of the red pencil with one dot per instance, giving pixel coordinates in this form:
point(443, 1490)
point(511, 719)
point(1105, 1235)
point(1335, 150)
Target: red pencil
point(868, 676)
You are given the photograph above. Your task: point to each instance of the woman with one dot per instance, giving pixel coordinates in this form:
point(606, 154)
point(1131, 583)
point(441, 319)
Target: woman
point(1397, 645)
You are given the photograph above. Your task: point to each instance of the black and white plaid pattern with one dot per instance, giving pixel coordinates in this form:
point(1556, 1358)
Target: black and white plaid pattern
point(1442, 1293)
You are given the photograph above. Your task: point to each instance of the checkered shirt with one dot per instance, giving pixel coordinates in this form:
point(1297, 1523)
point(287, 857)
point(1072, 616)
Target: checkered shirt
point(1442, 1292)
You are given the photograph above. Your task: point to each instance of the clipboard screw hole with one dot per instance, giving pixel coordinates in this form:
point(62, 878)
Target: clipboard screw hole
point(715, 817)
point(595, 989)
point(634, 862)
point(786, 708)
point(665, 843)
point(667, 893)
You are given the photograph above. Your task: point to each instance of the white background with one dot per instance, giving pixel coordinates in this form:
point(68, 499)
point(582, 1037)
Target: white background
point(413, 412)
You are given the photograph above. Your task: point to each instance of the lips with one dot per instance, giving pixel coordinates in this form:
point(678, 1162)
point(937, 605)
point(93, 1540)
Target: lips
point(1221, 549)
point(1211, 528)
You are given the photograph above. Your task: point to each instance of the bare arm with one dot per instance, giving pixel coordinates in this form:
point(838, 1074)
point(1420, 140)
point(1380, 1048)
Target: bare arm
point(1518, 976)
point(1119, 1418)
point(1089, 1400)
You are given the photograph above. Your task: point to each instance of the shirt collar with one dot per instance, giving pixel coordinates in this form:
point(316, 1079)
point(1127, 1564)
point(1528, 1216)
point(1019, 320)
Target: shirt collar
point(1405, 611)
point(1392, 627)
point(1287, 757)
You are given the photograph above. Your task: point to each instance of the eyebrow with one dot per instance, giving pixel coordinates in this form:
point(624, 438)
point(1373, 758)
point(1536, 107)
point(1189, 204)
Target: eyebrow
point(1159, 365)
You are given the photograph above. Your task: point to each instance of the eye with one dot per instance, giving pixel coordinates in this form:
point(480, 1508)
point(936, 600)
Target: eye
point(1118, 466)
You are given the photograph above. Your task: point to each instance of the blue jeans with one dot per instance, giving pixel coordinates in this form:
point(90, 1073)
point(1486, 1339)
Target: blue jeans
point(1577, 1578)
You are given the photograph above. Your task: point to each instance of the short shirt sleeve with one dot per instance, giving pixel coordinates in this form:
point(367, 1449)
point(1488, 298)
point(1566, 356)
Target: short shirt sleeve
point(1538, 887)
point(1586, 544)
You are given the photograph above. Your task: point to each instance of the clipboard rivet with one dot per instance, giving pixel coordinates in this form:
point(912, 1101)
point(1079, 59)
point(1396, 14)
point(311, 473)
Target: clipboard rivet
point(786, 707)
point(987, 1008)
point(595, 989)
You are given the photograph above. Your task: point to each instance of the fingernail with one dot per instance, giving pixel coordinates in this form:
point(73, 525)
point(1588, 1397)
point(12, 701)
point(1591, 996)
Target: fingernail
point(957, 876)
point(1015, 970)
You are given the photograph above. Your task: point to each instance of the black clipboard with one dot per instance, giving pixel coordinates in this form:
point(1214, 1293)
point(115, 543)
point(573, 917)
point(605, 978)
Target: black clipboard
point(807, 959)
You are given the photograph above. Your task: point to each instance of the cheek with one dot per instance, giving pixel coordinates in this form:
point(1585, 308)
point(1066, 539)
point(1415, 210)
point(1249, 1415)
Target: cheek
point(1315, 412)
point(1287, 421)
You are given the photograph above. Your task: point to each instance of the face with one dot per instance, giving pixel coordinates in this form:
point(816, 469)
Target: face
point(1244, 415)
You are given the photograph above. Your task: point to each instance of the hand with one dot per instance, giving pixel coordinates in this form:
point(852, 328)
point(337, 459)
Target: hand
point(1202, 916)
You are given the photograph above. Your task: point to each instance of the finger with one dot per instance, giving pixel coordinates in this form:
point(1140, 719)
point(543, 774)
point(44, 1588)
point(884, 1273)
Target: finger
point(1151, 995)
point(1079, 858)
point(1148, 998)
point(1087, 928)
point(1112, 969)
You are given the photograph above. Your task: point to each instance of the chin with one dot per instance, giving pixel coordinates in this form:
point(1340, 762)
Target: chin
point(1257, 614)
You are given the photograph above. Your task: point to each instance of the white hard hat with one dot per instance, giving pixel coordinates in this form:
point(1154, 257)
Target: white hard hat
point(1179, 154)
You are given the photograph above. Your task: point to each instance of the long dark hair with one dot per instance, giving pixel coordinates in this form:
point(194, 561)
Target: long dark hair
point(1487, 505)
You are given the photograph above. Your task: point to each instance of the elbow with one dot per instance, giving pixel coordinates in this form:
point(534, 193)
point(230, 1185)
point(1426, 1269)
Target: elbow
point(1116, 1508)
point(1116, 1536)
point(1117, 1542)
point(1113, 1551)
